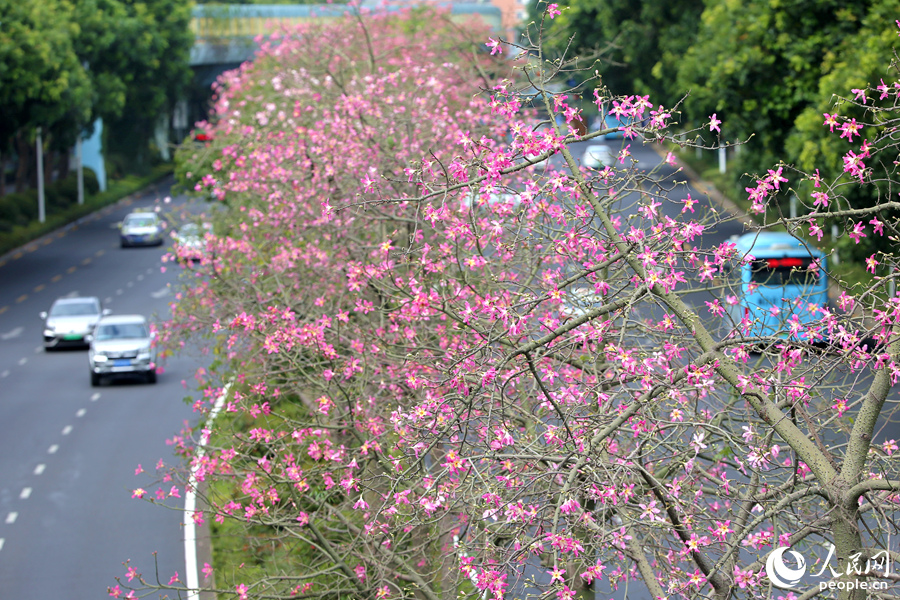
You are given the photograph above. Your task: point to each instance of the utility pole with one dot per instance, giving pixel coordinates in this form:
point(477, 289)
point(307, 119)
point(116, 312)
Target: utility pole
point(79, 173)
point(39, 147)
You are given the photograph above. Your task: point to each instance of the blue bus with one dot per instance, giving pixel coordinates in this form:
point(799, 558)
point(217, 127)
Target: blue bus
point(780, 283)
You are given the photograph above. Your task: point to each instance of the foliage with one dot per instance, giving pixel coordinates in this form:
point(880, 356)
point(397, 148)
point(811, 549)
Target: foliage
point(644, 42)
point(459, 374)
point(42, 81)
point(63, 65)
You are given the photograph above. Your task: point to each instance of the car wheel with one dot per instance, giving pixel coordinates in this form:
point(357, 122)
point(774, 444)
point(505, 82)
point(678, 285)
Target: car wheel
point(151, 376)
point(95, 379)
point(122, 244)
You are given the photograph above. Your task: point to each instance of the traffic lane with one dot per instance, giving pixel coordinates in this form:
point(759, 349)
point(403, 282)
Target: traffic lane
point(28, 273)
point(37, 383)
point(78, 516)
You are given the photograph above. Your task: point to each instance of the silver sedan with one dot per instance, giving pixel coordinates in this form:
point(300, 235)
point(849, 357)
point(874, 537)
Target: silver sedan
point(122, 345)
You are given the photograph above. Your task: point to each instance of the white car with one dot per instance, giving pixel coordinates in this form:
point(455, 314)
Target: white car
point(190, 241)
point(141, 229)
point(122, 345)
point(598, 156)
point(70, 321)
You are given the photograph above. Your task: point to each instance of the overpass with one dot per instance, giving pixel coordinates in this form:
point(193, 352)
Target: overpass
point(225, 33)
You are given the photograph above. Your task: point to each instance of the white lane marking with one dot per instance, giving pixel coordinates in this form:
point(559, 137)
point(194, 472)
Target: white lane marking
point(11, 518)
point(140, 277)
point(22, 361)
point(26, 492)
point(5, 373)
point(129, 284)
point(95, 397)
point(1, 543)
point(39, 350)
point(107, 300)
point(39, 469)
point(190, 504)
point(160, 293)
point(80, 412)
point(12, 333)
point(118, 292)
point(67, 430)
point(150, 270)
point(52, 449)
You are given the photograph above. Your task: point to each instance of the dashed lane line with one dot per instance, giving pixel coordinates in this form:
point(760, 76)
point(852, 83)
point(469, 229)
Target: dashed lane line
point(53, 449)
point(71, 270)
point(81, 412)
point(21, 298)
point(40, 469)
point(95, 397)
point(11, 517)
point(26, 492)
point(55, 278)
point(67, 430)
point(22, 361)
point(39, 288)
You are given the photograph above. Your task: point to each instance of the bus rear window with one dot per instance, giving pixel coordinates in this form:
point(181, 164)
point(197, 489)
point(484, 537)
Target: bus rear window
point(784, 271)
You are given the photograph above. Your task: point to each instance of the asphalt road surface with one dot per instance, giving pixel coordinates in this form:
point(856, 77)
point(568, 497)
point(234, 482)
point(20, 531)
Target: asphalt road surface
point(68, 451)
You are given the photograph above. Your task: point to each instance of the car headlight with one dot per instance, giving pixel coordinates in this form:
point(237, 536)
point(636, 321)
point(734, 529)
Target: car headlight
point(49, 330)
point(100, 357)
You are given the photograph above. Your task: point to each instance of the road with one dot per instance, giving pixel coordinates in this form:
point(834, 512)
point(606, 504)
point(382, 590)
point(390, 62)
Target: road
point(69, 452)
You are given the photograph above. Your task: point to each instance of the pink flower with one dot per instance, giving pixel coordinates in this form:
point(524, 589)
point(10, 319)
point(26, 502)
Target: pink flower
point(553, 11)
point(714, 123)
point(138, 493)
point(241, 590)
point(494, 45)
point(871, 263)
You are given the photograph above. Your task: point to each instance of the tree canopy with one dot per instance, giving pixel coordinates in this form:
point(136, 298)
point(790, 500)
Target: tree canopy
point(65, 64)
point(443, 368)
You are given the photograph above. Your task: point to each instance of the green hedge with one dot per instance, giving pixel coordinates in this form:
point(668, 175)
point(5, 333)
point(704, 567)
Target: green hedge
point(20, 208)
point(18, 212)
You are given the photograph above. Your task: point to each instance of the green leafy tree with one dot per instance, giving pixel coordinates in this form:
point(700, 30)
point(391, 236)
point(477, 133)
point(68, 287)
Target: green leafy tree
point(648, 39)
point(858, 60)
point(152, 50)
point(42, 80)
point(757, 65)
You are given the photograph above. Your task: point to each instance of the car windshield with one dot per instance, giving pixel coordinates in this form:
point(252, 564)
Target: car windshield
point(784, 271)
point(140, 222)
point(121, 331)
point(74, 309)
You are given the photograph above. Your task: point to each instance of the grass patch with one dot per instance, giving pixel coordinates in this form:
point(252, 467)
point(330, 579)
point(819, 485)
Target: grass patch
point(20, 235)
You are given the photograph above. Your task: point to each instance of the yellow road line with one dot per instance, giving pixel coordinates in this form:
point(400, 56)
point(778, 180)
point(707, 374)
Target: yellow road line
point(3, 309)
point(56, 278)
point(100, 253)
point(39, 288)
point(71, 270)
point(21, 298)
